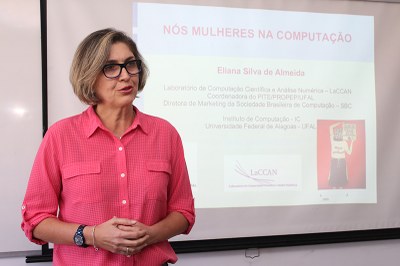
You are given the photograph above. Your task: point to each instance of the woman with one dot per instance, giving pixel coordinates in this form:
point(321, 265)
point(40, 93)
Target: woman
point(111, 177)
point(338, 177)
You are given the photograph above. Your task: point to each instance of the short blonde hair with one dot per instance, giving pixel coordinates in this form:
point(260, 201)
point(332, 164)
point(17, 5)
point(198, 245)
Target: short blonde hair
point(90, 58)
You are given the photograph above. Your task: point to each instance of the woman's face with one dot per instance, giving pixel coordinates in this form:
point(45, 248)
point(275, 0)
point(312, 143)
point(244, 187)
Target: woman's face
point(120, 91)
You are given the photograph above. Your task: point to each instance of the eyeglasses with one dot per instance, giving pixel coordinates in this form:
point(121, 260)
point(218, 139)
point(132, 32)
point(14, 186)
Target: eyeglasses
point(133, 67)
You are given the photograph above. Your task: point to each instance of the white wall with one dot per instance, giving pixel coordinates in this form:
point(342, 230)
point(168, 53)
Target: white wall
point(369, 253)
point(20, 112)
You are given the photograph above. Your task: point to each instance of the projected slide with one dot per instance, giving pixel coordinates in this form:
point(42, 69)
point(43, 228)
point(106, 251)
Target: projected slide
point(274, 108)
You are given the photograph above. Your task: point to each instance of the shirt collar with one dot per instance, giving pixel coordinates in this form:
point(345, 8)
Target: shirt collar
point(140, 121)
point(92, 122)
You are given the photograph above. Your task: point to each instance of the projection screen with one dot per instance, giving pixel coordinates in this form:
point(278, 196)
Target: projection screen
point(287, 109)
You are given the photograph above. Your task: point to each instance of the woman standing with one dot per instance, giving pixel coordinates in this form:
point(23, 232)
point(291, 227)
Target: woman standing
point(338, 176)
point(112, 177)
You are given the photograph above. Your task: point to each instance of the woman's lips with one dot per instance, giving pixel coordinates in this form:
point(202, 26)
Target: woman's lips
point(127, 89)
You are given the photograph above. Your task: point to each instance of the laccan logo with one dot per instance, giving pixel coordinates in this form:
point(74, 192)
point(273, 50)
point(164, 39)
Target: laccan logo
point(257, 174)
point(263, 172)
point(281, 172)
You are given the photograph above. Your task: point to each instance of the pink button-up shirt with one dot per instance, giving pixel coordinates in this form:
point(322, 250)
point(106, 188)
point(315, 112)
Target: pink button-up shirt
point(89, 175)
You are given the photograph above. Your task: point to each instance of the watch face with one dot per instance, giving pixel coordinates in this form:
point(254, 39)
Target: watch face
point(78, 240)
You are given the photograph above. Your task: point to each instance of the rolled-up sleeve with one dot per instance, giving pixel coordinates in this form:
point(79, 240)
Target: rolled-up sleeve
point(180, 193)
point(41, 197)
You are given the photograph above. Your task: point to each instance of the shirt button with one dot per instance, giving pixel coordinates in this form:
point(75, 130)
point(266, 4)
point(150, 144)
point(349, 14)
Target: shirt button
point(23, 207)
point(124, 202)
point(120, 148)
point(123, 175)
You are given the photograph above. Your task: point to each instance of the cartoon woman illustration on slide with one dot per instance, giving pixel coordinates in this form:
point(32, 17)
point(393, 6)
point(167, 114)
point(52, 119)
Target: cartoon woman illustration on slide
point(341, 144)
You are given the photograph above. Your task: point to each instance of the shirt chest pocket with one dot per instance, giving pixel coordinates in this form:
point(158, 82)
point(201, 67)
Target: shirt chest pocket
point(82, 182)
point(157, 179)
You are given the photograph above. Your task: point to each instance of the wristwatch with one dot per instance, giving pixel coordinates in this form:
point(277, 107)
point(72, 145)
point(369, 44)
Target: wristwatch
point(79, 239)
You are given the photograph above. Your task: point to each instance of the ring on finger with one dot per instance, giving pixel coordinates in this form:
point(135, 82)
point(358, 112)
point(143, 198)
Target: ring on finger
point(128, 252)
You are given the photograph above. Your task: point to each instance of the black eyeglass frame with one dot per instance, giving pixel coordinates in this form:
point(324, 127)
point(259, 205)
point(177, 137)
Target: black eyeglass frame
point(121, 66)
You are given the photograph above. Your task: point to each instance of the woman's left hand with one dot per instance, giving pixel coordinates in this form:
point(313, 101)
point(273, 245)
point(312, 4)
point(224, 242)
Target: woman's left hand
point(136, 248)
